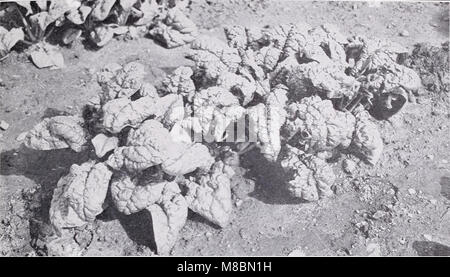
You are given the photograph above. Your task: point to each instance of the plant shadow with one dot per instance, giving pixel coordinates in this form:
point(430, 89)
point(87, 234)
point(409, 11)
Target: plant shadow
point(441, 21)
point(430, 248)
point(269, 179)
point(45, 168)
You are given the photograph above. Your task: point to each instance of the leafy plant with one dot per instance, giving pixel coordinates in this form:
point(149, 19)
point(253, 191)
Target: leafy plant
point(302, 95)
point(98, 20)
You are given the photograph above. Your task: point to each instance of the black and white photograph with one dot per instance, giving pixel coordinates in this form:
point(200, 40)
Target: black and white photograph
point(224, 128)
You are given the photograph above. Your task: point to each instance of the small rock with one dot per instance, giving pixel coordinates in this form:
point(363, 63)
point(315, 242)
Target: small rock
point(208, 234)
point(404, 33)
point(349, 166)
point(428, 237)
point(444, 161)
point(411, 191)
point(4, 125)
point(297, 253)
point(402, 240)
point(373, 250)
point(355, 7)
point(430, 156)
point(21, 136)
point(433, 201)
point(378, 214)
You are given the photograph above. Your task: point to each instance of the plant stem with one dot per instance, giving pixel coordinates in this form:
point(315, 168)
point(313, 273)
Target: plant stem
point(25, 23)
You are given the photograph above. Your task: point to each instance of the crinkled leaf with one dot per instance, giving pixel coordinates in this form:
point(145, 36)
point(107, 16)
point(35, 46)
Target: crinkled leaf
point(175, 30)
point(179, 82)
point(367, 142)
point(151, 144)
point(57, 133)
point(212, 57)
point(210, 195)
point(122, 112)
point(78, 197)
point(117, 81)
point(168, 218)
point(318, 126)
point(265, 122)
point(311, 177)
point(146, 146)
point(129, 196)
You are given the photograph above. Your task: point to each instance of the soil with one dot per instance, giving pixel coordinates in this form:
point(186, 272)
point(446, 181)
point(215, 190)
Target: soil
point(398, 207)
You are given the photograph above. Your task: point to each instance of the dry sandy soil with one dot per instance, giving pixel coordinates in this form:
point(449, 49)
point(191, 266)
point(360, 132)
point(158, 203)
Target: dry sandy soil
point(399, 207)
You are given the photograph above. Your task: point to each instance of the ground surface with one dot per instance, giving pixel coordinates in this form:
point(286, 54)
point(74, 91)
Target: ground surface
point(399, 207)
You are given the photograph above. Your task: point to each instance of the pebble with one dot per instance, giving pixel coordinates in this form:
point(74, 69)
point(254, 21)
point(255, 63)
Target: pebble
point(373, 250)
point(411, 191)
point(404, 33)
point(433, 201)
point(297, 253)
point(21, 136)
point(349, 166)
point(239, 203)
point(378, 214)
point(428, 237)
point(4, 125)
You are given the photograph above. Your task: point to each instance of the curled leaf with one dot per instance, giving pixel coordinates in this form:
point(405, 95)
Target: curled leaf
point(103, 144)
point(8, 39)
point(70, 35)
point(101, 35)
point(101, 9)
point(367, 143)
point(79, 16)
point(168, 218)
point(45, 55)
point(193, 156)
point(122, 112)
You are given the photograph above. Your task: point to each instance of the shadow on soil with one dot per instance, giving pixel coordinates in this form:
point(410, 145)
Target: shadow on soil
point(430, 248)
point(445, 186)
point(268, 176)
point(43, 167)
point(441, 21)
